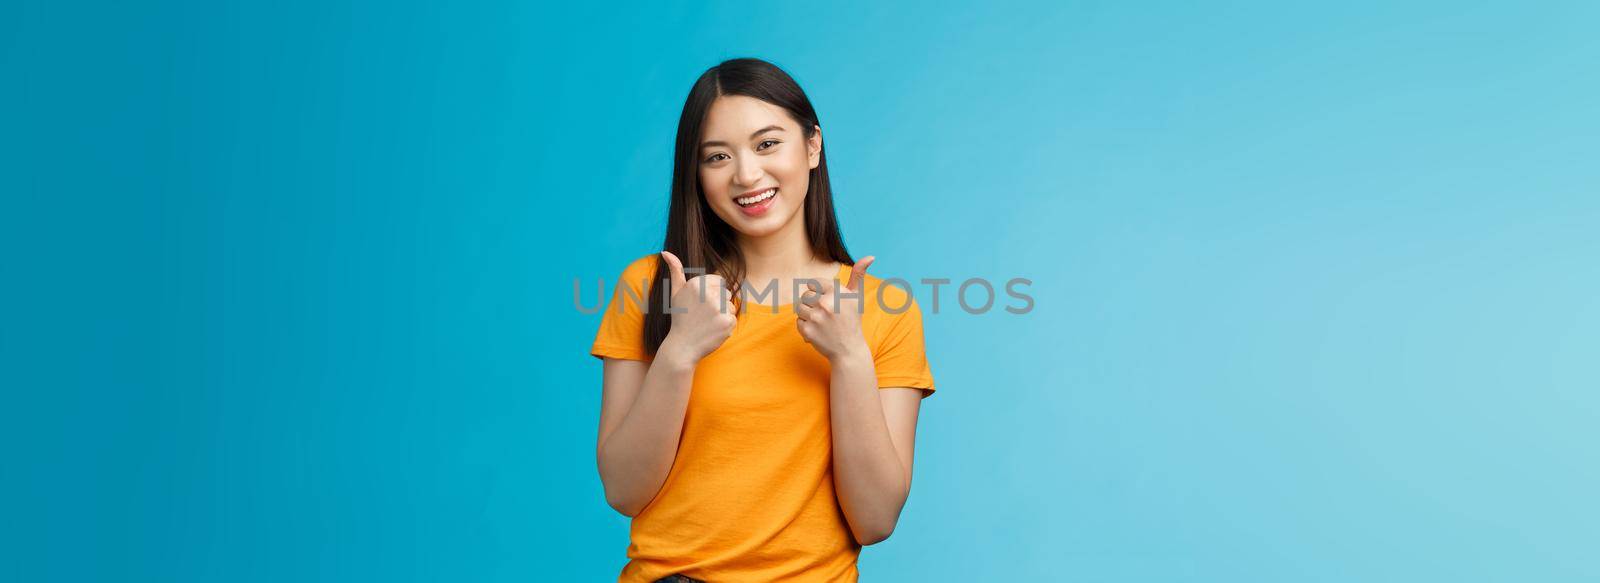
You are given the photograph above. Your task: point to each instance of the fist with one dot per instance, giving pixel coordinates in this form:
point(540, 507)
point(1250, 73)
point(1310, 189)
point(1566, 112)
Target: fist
point(702, 312)
point(831, 323)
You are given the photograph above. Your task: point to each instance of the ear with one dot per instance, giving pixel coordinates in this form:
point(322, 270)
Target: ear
point(814, 147)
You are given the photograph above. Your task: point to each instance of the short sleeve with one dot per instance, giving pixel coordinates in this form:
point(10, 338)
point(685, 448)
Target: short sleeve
point(621, 333)
point(900, 356)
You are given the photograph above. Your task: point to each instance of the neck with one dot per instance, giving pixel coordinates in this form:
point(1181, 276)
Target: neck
point(783, 254)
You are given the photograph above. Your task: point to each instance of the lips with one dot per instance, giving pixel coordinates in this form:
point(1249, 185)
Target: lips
point(755, 196)
point(756, 202)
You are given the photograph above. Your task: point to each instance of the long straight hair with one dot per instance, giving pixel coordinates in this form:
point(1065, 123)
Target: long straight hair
point(696, 234)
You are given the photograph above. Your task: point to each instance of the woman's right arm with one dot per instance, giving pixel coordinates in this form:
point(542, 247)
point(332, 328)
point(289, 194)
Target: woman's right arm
point(642, 404)
point(641, 416)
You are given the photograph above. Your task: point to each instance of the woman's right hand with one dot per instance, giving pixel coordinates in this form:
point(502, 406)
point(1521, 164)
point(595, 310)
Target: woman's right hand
point(702, 313)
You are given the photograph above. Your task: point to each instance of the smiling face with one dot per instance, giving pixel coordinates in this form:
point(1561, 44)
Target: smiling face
point(755, 164)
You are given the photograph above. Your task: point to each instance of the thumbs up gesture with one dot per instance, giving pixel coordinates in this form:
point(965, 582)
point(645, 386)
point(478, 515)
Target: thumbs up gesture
point(702, 313)
point(830, 320)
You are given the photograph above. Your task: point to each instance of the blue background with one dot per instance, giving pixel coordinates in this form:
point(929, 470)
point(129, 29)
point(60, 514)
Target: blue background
point(288, 287)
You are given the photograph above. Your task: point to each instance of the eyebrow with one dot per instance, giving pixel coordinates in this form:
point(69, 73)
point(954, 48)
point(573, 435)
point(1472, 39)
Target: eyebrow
point(704, 145)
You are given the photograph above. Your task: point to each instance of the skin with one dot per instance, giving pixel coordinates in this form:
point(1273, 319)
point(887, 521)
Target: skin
point(747, 145)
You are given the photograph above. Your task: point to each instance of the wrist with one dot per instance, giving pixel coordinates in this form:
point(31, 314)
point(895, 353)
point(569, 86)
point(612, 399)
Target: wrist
point(674, 355)
point(853, 353)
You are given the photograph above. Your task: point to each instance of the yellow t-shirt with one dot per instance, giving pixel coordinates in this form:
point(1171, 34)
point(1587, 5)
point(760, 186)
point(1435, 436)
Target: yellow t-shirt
point(750, 494)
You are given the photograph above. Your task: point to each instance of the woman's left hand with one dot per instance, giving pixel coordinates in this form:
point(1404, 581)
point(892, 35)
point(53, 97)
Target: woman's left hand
point(831, 321)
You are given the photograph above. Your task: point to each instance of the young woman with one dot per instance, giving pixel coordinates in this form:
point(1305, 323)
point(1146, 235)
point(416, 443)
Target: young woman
point(761, 431)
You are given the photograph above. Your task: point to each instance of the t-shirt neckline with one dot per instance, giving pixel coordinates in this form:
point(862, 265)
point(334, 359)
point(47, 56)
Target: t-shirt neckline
point(843, 275)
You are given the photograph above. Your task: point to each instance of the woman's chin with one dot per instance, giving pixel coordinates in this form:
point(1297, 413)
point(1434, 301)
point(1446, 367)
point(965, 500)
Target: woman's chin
point(762, 226)
point(756, 229)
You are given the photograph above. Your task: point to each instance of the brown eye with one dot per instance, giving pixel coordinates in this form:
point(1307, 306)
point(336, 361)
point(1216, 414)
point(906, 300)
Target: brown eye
point(763, 145)
point(713, 157)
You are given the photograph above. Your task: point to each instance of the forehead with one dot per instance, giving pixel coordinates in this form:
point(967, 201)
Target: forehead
point(733, 117)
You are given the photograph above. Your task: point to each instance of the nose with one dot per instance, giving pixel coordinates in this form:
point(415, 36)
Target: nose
point(748, 173)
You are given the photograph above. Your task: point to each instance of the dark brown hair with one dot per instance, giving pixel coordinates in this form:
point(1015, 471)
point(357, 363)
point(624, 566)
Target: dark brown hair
point(696, 234)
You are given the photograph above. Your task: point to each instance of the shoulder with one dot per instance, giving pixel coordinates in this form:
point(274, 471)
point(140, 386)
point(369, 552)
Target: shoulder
point(642, 267)
point(891, 321)
point(639, 272)
point(888, 296)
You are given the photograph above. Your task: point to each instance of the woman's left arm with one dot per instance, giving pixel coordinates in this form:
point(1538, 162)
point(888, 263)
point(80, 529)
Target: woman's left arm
point(874, 430)
point(874, 433)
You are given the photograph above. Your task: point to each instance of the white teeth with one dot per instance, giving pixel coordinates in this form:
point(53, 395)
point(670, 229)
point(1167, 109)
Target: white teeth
point(750, 200)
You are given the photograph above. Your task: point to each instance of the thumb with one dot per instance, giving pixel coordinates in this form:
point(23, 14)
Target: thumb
point(676, 267)
point(820, 288)
point(858, 273)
